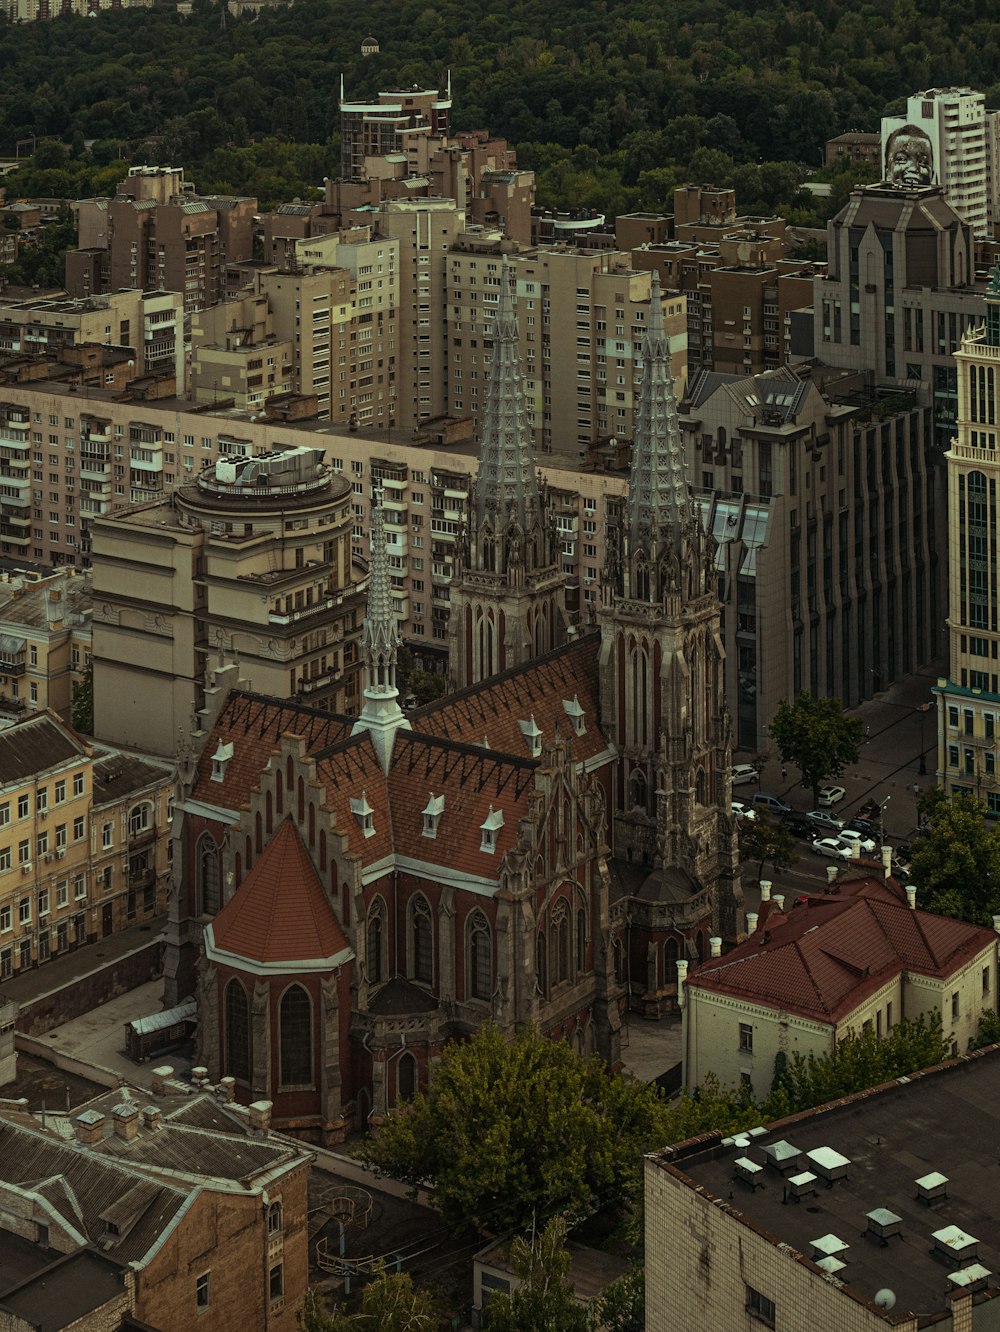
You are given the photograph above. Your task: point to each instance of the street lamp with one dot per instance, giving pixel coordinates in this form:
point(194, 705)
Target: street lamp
point(923, 710)
point(881, 820)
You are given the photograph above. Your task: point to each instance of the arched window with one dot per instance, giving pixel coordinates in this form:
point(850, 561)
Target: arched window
point(274, 1219)
point(560, 942)
point(237, 1033)
point(376, 942)
point(541, 973)
point(295, 1036)
point(479, 966)
point(208, 876)
point(406, 1077)
point(140, 819)
point(581, 941)
point(421, 941)
point(637, 790)
point(670, 954)
point(619, 957)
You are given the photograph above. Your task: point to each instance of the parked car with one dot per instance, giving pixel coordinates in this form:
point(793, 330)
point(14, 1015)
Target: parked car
point(822, 818)
point(850, 835)
point(833, 848)
point(742, 810)
point(865, 827)
point(744, 772)
point(798, 825)
point(872, 811)
point(831, 795)
point(772, 804)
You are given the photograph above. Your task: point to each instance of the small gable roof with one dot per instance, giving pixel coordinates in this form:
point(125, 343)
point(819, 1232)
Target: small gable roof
point(280, 915)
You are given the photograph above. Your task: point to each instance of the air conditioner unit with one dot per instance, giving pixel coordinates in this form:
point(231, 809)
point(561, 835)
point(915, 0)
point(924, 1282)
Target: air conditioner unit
point(60, 854)
point(48, 857)
point(26, 869)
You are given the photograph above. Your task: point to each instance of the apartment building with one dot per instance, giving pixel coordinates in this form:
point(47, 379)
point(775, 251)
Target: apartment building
point(84, 841)
point(157, 234)
point(30, 11)
point(45, 643)
point(394, 123)
point(944, 139)
point(149, 325)
point(581, 317)
point(969, 696)
point(253, 560)
point(237, 356)
point(855, 148)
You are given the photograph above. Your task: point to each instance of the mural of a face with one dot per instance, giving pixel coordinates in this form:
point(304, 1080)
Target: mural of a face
point(909, 158)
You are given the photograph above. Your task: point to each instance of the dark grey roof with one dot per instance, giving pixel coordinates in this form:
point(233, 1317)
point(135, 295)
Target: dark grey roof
point(34, 746)
point(117, 775)
point(66, 1290)
point(180, 1148)
point(401, 996)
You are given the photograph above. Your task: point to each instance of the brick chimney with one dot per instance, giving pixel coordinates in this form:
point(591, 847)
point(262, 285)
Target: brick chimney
point(126, 1117)
point(151, 1119)
point(161, 1076)
point(260, 1117)
point(90, 1127)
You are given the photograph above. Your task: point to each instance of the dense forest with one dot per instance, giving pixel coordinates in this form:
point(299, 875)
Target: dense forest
point(611, 103)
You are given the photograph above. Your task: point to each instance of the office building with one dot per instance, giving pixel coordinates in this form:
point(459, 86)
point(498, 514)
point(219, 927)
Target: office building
point(393, 124)
point(866, 1214)
point(45, 643)
point(969, 696)
point(254, 559)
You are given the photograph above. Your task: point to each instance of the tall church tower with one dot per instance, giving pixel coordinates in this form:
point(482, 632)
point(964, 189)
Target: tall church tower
point(662, 693)
point(507, 595)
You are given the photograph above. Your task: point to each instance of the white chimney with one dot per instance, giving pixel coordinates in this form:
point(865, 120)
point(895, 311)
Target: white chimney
point(765, 890)
point(779, 901)
point(887, 860)
point(911, 896)
point(855, 850)
point(715, 946)
point(682, 971)
point(831, 873)
point(752, 919)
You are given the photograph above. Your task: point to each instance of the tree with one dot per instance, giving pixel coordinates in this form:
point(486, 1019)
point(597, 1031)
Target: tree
point(544, 1300)
point(390, 1303)
point(511, 1128)
point(815, 735)
point(956, 867)
point(766, 842)
point(622, 1307)
point(988, 1032)
point(83, 701)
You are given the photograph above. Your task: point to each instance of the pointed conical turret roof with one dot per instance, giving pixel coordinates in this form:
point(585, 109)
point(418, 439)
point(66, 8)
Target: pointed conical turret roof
point(659, 503)
point(380, 636)
point(506, 477)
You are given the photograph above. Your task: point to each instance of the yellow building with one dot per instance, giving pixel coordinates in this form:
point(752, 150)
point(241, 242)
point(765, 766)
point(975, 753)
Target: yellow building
point(44, 643)
point(84, 841)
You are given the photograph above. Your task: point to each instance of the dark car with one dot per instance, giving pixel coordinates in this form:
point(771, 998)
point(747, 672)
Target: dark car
point(863, 826)
point(871, 812)
point(799, 826)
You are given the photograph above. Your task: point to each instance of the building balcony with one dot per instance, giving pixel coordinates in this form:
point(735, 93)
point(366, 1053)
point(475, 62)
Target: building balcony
point(154, 464)
point(13, 503)
point(13, 443)
point(96, 435)
point(329, 603)
point(12, 516)
point(14, 537)
point(309, 685)
point(93, 470)
point(10, 706)
point(13, 485)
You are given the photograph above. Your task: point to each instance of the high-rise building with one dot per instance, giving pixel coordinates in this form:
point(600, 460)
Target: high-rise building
point(943, 140)
point(254, 559)
point(969, 697)
point(392, 124)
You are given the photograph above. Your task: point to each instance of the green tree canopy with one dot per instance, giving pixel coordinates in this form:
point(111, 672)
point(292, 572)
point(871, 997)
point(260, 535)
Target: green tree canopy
point(766, 842)
point(956, 867)
point(390, 1303)
point(544, 1299)
point(817, 736)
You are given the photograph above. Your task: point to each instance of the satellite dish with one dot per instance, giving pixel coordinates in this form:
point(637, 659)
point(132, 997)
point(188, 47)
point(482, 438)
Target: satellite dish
point(885, 1298)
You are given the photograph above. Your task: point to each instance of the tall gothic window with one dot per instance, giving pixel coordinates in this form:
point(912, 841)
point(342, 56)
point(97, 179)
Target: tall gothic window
point(581, 941)
point(376, 942)
point(541, 973)
point(295, 1037)
point(421, 941)
point(480, 957)
point(208, 876)
point(237, 1032)
point(560, 942)
point(407, 1077)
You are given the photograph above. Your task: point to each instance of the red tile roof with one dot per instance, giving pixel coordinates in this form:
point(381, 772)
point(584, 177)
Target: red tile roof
point(823, 958)
point(280, 912)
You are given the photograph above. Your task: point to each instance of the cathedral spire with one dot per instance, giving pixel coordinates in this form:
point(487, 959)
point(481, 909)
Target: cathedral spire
point(659, 504)
point(506, 486)
point(381, 714)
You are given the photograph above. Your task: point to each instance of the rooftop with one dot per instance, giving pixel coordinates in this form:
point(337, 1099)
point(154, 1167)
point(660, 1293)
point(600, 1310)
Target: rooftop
point(892, 1136)
point(117, 774)
point(34, 746)
point(65, 598)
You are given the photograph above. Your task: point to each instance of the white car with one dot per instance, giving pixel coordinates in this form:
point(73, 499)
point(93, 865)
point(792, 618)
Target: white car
point(831, 795)
point(744, 772)
point(743, 811)
point(848, 835)
point(833, 848)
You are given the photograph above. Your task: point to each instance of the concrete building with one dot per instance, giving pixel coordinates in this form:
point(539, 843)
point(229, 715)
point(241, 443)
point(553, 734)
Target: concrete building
point(820, 493)
point(157, 234)
point(254, 559)
point(236, 355)
point(855, 148)
point(30, 11)
point(85, 841)
point(969, 696)
point(777, 992)
point(45, 643)
point(181, 1213)
point(899, 293)
point(943, 139)
point(866, 1214)
point(395, 123)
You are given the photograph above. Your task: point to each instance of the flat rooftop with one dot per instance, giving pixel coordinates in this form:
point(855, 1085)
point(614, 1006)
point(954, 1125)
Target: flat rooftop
point(944, 1121)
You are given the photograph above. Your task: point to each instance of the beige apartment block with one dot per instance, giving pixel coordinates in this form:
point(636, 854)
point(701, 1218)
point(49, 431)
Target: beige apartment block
point(395, 123)
point(969, 696)
point(236, 355)
point(253, 562)
point(313, 310)
point(581, 316)
point(84, 841)
point(45, 643)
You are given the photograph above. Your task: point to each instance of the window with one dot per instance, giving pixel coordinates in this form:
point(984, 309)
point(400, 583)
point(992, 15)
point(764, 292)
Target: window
point(6, 920)
point(203, 1291)
point(43, 901)
point(560, 942)
point(406, 1077)
point(274, 1219)
point(24, 911)
point(107, 834)
point(954, 1005)
point(295, 1035)
point(23, 806)
point(62, 893)
point(4, 814)
point(421, 941)
point(42, 799)
point(78, 783)
point(24, 852)
point(78, 828)
point(237, 1018)
point(986, 980)
point(5, 858)
point(376, 942)
point(760, 1306)
point(480, 957)
point(61, 837)
point(79, 886)
point(746, 1037)
point(209, 899)
point(138, 820)
point(276, 1282)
